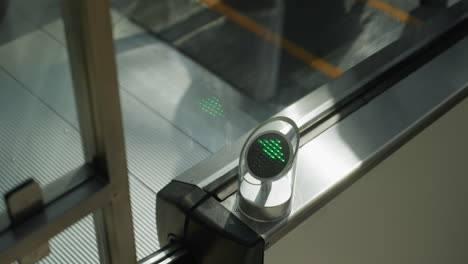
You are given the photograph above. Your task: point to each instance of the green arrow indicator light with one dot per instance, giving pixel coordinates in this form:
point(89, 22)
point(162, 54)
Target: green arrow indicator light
point(272, 149)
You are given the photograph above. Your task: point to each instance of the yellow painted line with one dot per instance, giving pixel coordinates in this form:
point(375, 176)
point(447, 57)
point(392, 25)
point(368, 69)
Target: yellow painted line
point(289, 46)
point(395, 12)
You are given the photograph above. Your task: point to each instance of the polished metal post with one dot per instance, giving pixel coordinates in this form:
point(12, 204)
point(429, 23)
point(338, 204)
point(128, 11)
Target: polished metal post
point(92, 58)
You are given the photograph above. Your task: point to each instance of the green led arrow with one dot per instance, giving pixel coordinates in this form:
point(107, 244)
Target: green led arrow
point(272, 149)
point(212, 106)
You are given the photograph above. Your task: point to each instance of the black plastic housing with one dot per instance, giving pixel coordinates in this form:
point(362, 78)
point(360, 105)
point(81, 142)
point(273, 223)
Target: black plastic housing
point(211, 233)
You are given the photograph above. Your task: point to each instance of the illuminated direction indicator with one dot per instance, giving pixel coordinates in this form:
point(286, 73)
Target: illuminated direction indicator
point(212, 106)
point(268, 155)
point(272, 148)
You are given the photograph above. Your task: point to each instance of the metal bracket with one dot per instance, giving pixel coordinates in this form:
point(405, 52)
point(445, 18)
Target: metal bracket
point(22, 202)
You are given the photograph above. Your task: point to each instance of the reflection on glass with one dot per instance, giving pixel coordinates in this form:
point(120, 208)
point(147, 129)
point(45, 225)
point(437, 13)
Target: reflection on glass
point(39, 136)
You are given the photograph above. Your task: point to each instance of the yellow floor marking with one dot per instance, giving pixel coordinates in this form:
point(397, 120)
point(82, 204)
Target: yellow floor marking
point(289, 46)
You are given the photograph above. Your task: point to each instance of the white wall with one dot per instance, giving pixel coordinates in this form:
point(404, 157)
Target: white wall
point(411, 208)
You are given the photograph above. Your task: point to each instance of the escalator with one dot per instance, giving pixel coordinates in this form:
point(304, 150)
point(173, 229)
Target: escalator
point(359, 78)
point(275, 52)
point(276, 55)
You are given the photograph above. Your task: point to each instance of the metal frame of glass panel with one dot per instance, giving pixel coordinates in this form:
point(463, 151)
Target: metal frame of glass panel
point(106, 193)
